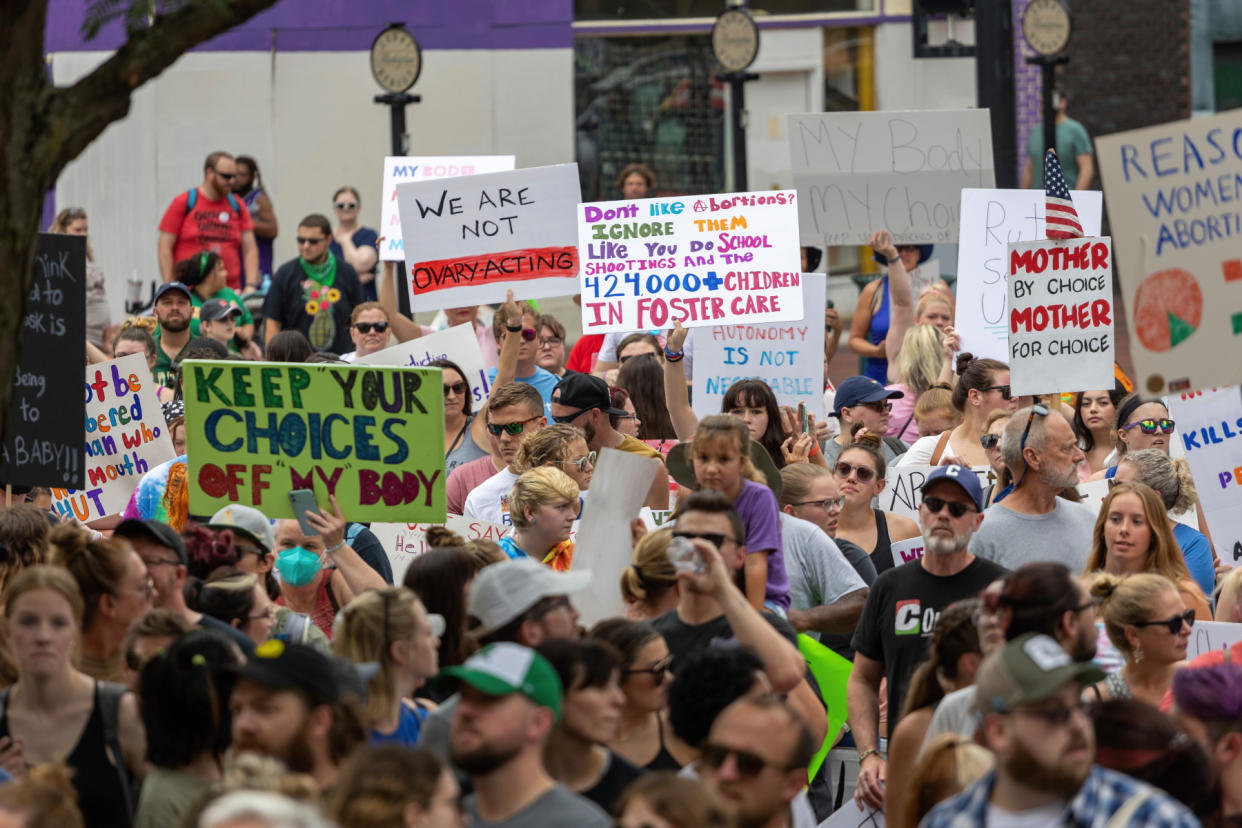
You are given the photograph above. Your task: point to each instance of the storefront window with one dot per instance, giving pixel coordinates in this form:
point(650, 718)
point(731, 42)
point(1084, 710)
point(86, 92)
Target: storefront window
point(665, 9)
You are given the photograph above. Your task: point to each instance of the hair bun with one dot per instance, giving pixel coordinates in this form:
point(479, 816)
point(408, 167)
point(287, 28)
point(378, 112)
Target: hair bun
point(1103, 585)
point(869, 439)
point(963, 362)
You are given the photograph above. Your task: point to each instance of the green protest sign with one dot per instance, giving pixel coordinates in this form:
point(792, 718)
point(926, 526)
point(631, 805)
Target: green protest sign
point(371, 435)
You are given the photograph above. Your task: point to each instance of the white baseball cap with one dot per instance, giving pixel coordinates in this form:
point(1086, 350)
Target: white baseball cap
point(503, 591)
point(250, 522)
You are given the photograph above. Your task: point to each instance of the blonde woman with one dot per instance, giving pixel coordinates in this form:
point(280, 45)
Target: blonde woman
point(1146, 620)
point(926, 359)
point(947, 766)
point(1229, 597)
point(649, 584)
point(543, 505)
point(560, 446)
point(391, 628)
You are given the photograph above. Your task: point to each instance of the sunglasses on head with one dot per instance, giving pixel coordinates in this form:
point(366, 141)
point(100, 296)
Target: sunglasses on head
point(989, 441)
point(512, 429)
point(748, 764)
point(1042, 411)
point(1165, 426)
point(1003, 389)
point(1174, 624)
point(956, 508)
point(657, 671)
point(347, 205)
point(454, 388)
point(366, 327)
point(714, 539)
point(865, 474)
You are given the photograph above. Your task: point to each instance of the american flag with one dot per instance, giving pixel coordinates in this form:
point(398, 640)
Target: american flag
point(1062, 221)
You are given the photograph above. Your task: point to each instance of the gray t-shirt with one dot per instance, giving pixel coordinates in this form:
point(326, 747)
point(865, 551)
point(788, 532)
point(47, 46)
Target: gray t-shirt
point(819, 574)
point(558, 808)
point(955, 714)
point(435, 730)
point(1012, 539)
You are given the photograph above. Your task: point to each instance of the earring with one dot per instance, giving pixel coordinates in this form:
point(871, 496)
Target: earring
point(1138, 654)
point(533, 521)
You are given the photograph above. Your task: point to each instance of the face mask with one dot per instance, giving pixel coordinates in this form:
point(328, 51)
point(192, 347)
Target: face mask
point(297, 566)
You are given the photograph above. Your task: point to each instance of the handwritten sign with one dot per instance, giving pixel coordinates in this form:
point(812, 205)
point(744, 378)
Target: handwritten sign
point(371, 435)
point(991, 221)
point(406, 541)
point(903, 490)
point(471, 239)
point(42, 441)
point(1172, 200)
point(858, 172)
point(908, 550)
point(126, 437)
point(1209, 426)
point(401, 168)
point(1207, 636)
point(457, 344)
point(697, 260)
point(1060, 315)
point(788, 356)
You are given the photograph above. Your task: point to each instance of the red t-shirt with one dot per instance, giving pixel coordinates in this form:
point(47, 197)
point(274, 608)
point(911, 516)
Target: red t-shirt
point(582, 355)
point(213, 225)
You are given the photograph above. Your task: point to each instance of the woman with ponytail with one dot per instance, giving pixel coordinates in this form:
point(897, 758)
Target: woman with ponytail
point(982, 387)
point(859, 473)
point(1146, 620)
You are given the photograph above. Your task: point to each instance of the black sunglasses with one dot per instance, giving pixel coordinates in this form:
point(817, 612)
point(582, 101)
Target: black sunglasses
point(365, 327)
point(714, 539)
point(347, 205)
point(989, 441)
point(304, 240)
point(569, 418)
point(454, 388)
point(1003, 389)
point(225, 176)
point(748, 764)
point(1174, 624)
point(956, 508)
point(656, 670)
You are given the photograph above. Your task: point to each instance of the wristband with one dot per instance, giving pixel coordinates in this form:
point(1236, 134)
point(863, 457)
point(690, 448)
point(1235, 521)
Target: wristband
point(673, 357)
point(866, 753)
point(814, 450)
point(334, 549)
point(512, 329)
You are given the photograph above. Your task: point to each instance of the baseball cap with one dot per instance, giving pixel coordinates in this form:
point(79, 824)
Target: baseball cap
point(966, 480)
point(584, 392)
point(214, 309)
point(247, 521)
point(505, 668)
point(161, 533)
point(167, 286)
point(505, 590)
point(279, 665)
point(859, 389)
point(1026, 670)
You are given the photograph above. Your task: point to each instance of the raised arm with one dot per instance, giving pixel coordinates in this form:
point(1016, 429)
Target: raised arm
point(353, 574)
point(901, 298)
point(402, 325)
point(675, 392)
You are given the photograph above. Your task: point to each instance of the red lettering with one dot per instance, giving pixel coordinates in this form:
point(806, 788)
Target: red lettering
point(1101, 312)
point(1099, 256)
point(257, 483)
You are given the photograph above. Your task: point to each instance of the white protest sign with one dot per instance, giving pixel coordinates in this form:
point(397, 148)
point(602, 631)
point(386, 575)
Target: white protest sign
point(618, 489)
point(1172, 202)
point(858, 172)
point(126, 437)
point(1206, 636)
point(1209, 427)
point(1060, 315)
point(991, 220)
point(924, 276)
point(908, 550)
point(402, 168)
point(405, 541)
point(457, 344)
point(903, 488)
point(698, 260)
point(788, 356)
point(469, 240)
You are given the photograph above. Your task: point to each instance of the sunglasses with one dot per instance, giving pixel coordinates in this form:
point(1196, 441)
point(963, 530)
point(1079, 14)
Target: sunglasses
point(455, 388)
point(879, 406)
point(303, 240)
point(569, 418)
point(656, 671)
point(346, 205)
point(1003, 389)
point(828, 503)
point(581, 463)
point(1150, 426)
point(989, 441)
point(1042, 411)
point(1174, 624)
point(714, 539)
point(367, 327)
point(512, 429)
point(225, 176)
point(748, 764)
point(956, 508)
point(529, 334)
point(865, 474)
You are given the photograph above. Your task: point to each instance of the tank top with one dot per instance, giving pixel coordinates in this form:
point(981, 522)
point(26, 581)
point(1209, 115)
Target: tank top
point(663, 760)
point(877, 368)
point(100, 797)
point(264, 245)
point(409, 723)
point(882, 555)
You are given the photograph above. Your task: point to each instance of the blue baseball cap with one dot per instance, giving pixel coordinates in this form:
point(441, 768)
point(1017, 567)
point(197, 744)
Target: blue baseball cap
point(860, 389)
point(177, 286)
point(967, 480)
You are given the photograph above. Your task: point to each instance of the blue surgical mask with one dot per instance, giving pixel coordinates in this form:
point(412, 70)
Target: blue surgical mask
point(298, 566)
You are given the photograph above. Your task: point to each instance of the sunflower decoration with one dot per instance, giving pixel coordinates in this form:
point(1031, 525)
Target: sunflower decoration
point(319, 301)
point(312, 307)
point(334, 295)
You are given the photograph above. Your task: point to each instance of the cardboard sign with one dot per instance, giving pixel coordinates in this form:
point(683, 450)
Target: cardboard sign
point(399, 169)
point(1209, 428)
point(908, 550)
point(458, 344)
point(126, 437)
point(471, 239)
point(1206, 636)
point(1060, 315)
point(903, 489)
point(991, 220)
point(405, 541)
point(41, 440)
point(371, 435)
point(858, 172)
point(698, 260)
point(1172, 201)
point(788, 356)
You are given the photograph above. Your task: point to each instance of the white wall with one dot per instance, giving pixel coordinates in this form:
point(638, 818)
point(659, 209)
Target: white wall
point(310, 121)
point(790, 65)
point(901, 82)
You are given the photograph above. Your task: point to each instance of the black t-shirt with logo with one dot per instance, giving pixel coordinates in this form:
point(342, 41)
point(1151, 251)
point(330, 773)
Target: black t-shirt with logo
point(901, 612)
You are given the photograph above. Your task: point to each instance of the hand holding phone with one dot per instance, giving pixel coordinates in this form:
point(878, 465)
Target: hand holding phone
point(303, 501)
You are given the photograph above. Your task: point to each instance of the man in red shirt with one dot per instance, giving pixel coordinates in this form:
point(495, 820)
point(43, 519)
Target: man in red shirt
point(211, 217)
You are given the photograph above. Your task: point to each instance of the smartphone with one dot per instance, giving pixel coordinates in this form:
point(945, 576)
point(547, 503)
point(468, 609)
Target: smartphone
point(806, 427)
point(303, 501)
point(829, 304)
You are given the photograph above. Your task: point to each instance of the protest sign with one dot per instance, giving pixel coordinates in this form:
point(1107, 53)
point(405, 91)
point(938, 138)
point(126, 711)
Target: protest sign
point(1206, 636)
point(853, 815)
point(126, 437)
point(907, 550)
point(603, 547)
point(991, 220)
point(42, 440)
point(1060, 315)
point(401, 168)
point(788, 356)
point(371, 435)
point(858, 172)
point(1209, 428)
point(698, 260)
point(406, 541)
point(469, 240)
point(923, 277)
point(457, 344)
point(903, 490)
point(1172, 191)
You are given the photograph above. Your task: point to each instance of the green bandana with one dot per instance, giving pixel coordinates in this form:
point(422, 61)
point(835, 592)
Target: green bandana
point(324, 274)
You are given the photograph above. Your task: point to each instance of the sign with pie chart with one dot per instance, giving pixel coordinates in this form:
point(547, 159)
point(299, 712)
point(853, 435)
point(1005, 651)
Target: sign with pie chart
point(1168, 307)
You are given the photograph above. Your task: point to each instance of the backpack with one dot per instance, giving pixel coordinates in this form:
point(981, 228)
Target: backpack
point(191, 198)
